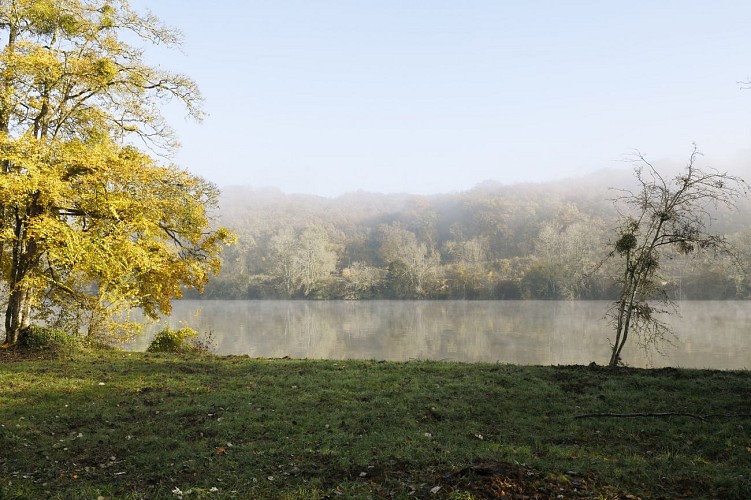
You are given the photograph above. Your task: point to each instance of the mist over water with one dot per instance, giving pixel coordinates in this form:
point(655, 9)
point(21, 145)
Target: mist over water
point(709, 334)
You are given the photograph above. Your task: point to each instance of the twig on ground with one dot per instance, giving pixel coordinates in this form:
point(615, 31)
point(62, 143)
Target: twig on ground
point(660, 414)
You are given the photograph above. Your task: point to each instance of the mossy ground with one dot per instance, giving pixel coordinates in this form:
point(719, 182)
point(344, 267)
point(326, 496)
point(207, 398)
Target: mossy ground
point(137, 425)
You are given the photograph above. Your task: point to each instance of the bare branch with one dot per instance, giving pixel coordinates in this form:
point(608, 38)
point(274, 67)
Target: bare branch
point(641, 414)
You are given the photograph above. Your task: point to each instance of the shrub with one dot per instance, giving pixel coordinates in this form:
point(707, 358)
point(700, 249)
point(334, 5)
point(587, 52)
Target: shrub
point(206, 343)
point(39, 338)
point(181, 340)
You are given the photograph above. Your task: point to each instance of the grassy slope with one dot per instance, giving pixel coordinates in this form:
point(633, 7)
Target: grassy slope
point(138, 425)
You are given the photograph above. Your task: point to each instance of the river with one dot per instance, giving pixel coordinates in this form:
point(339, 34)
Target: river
point(708, 334)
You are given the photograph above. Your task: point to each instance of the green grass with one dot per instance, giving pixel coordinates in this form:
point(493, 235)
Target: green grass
point(138, 425)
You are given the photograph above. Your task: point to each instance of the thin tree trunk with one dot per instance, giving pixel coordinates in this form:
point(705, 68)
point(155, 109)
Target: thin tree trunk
point(624, 319)
point(5, 112)
point(623, 336)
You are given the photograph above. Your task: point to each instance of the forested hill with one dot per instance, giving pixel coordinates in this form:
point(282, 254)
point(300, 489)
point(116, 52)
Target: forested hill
point(524, 241)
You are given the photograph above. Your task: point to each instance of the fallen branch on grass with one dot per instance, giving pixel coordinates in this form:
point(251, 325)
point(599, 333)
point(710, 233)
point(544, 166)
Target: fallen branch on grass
point(660, 414)
point(630, 415)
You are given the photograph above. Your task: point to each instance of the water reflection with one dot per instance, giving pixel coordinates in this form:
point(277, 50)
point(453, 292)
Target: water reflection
point(711, 334)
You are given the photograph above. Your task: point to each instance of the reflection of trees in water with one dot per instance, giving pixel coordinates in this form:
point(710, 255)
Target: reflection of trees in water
point(711, 334)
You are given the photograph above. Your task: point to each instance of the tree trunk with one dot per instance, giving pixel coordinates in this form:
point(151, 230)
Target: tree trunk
point(17, 315)
point(23, 259)
point(624, 322)
point(5, 113)
point(625, 309)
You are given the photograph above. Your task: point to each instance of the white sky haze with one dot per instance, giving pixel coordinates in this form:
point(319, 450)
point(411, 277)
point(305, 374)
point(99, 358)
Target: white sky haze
point(432, 96)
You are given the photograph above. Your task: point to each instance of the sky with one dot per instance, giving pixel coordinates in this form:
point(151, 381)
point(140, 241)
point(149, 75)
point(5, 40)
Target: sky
point(434, 96)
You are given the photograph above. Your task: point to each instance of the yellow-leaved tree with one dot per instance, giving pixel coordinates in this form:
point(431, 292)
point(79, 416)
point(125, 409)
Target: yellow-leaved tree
point(88, 221)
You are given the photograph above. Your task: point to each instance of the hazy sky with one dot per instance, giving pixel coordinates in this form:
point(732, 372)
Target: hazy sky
point(325, 96)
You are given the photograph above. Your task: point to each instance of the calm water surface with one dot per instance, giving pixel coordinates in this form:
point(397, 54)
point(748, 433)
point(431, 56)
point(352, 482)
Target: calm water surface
point(709, 334)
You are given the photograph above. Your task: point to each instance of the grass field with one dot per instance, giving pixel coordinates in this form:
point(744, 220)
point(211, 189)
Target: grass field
point(136, 425)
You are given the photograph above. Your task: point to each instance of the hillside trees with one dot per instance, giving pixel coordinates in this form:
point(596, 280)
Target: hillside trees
point(301, 263)
point(361, 281)
point(492, 242)
point(567, 252)
point(87, 220)
point(412, 265)
point(663, 215)
point(468, 273)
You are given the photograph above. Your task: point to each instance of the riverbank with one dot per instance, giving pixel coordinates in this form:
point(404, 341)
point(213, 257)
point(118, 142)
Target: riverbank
point(137, 425)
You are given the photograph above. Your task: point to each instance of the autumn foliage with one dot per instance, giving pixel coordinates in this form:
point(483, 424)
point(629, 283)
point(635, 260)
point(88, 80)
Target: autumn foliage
point(88, 221)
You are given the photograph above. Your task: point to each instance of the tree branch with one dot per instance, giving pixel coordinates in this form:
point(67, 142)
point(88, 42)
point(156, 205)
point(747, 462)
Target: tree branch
point(661, 414)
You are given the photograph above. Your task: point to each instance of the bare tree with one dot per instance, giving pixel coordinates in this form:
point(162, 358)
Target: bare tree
point(660, 215)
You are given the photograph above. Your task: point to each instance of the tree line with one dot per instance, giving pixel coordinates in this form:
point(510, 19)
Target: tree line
point(527, 241)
